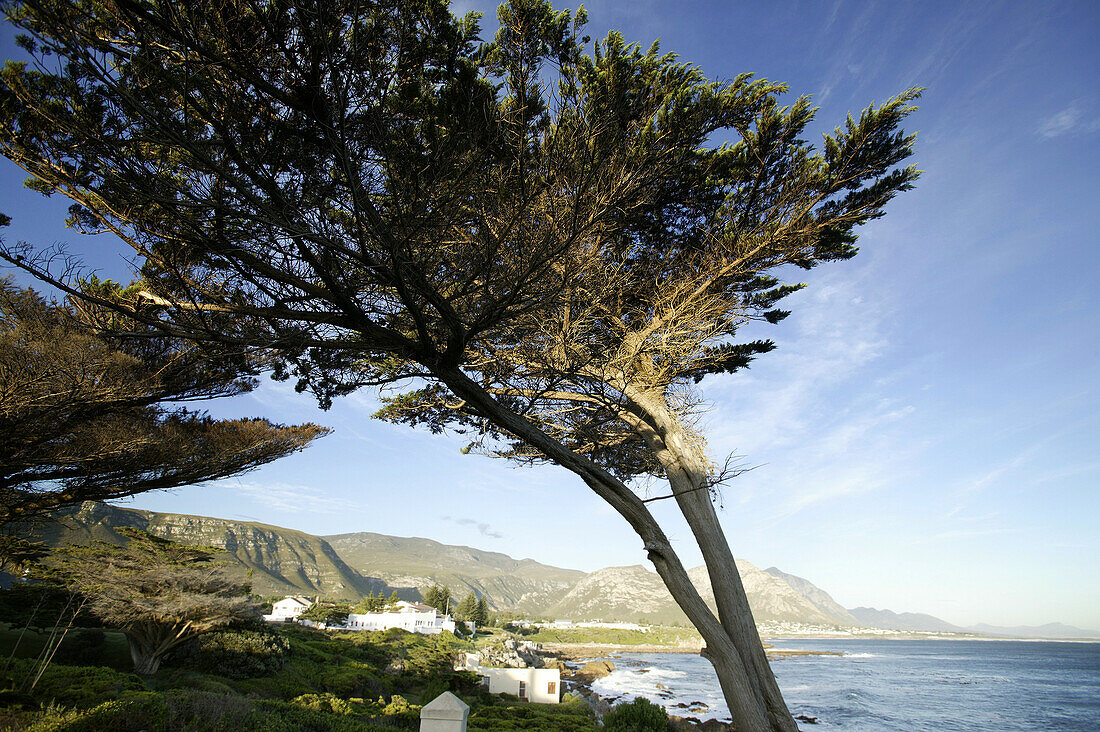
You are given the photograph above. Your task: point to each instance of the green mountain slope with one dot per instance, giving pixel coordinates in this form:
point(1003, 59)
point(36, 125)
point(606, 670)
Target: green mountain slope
point(410, 562)
point(283, 561)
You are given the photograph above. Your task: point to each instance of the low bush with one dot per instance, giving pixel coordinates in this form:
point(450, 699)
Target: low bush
point(182, 710)
point(532, 717)
point(237, 653)
point(80, 686)
point(640, 715)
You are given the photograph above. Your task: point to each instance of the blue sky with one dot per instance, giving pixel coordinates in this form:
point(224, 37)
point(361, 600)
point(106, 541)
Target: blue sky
point(927, 432)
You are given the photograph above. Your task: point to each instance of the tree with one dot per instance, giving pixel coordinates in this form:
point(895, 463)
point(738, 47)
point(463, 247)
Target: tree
point(83, 414)
point(327, 613)
point(541, 247)
point(439, 597)
point(481, 614)
point(467, 609)
point(159, 593)
point(371, 603)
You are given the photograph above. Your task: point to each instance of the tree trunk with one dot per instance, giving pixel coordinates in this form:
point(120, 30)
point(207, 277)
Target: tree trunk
point(688, 475)
point(729, 653)
point(146, 659)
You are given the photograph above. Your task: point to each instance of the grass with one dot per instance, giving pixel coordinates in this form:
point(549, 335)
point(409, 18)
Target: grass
point(657, 636)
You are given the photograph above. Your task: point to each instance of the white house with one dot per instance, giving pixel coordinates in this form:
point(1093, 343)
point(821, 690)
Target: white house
point(287, 609)
point(410, 616)
point(539, 685)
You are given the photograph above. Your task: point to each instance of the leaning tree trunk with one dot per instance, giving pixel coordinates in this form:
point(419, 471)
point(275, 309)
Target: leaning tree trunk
point(689, 478)
point(751, 703)
point(150, 642)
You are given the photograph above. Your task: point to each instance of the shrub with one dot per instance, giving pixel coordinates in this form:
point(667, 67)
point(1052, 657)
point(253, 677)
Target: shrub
point(190, 711)
point(236, 654)
point(82, 686)
point(640, 715)
point(324, 703)
point(532, 717)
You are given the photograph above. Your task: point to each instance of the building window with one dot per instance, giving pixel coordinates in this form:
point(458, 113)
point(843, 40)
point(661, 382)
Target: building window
point(552, 687)
point(523, 690)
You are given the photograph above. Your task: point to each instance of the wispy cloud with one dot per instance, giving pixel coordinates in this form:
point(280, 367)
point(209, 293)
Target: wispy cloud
point(483, 528)
point(1071, 120)
point(290, 498)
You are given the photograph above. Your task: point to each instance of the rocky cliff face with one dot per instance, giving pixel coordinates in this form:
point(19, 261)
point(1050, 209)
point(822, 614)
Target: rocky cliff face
point(282, 560)
point(817, 597)
point(619, 593)
point(633, 593)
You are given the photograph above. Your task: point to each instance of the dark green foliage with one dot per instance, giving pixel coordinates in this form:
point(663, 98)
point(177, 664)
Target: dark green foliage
point(185, 710)
point(83, 414)
point(329, 613)
point(466, 609)
point(439, 597)
point(84, 646)
point(82, 686)
point(39, 604)
point(236, 653)
point(481, 614)
point(561, 718)
point(640, 715)
point(371, 603)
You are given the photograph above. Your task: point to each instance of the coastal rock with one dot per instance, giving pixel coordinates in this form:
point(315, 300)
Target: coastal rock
point(595, 702)
point(593, 670)
point(511, 654)
point(691, 724)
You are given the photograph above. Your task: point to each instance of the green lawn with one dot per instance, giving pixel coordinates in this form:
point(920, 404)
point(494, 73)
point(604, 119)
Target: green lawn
point(656, 636)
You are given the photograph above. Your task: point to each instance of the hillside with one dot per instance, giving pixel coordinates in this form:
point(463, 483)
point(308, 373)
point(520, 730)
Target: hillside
point(285, 561)
point(282, 560)
point(415, 564)
point(816, 597)
point(634, 593)
point(890, 620)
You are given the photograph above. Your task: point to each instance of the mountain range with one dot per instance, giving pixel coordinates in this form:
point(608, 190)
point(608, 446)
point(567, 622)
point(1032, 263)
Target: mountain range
point(348, 566)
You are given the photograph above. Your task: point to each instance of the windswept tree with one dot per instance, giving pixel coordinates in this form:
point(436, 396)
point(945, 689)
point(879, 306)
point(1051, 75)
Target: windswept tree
point(158, 592)
point(83, 414)
point(543, 245)
point(327, 612)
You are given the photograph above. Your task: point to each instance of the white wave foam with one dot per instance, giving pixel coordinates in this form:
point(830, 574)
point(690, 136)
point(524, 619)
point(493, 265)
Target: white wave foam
point(861, 655)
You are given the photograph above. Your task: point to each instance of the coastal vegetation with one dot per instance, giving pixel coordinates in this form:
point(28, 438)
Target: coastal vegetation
point(276, 677)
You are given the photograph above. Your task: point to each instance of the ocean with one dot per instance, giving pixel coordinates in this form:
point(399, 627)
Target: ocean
point(883, 684)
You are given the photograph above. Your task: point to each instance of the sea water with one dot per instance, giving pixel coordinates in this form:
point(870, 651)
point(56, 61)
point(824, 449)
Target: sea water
point(882, 684)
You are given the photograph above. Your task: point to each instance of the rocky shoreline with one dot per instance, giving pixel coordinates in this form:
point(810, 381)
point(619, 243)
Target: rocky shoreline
point(582, 664)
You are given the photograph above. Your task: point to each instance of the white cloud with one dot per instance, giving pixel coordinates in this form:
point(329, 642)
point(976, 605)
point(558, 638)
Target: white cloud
point(483, 528)
point(1070, 120)
point(291, 498)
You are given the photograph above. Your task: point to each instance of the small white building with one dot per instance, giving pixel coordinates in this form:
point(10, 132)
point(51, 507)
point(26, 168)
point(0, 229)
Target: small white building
point(539, 685)
point(410, 616)
point(288, 609)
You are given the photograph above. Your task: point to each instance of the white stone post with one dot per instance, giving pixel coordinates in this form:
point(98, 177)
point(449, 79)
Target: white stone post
point(445, 713)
